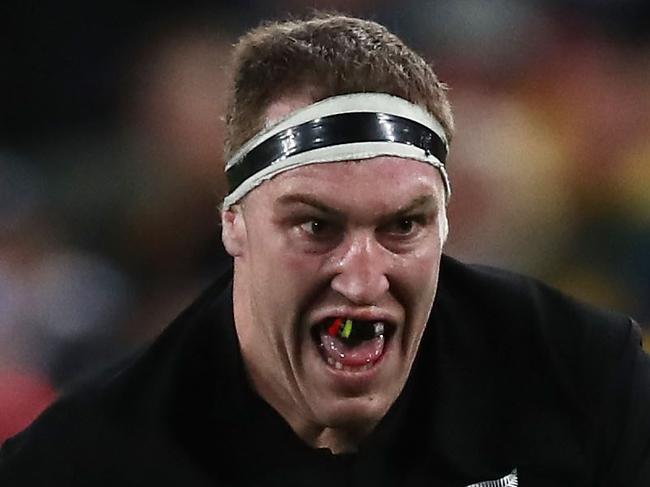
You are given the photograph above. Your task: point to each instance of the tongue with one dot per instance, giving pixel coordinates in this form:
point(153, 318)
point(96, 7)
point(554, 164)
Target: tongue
point(361, 353)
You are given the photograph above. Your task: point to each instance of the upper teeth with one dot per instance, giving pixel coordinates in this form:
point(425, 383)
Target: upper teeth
point(379, 328)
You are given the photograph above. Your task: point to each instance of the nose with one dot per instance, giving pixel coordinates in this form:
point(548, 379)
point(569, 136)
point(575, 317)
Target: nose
point(361, 271)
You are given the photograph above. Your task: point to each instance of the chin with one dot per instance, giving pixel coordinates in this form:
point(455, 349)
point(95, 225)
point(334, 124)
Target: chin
point(356, 414)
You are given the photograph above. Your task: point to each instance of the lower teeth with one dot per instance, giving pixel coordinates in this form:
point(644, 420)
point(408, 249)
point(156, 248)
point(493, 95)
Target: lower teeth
point(339, 366)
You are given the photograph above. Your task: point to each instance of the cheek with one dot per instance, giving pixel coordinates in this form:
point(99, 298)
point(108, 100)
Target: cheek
point(290, 256)
point(281, 267)
point(419, 277)
point(301, 277)
point(285, 274)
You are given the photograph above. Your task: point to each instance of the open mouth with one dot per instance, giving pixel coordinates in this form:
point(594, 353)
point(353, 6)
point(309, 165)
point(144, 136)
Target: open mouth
point(349, 344)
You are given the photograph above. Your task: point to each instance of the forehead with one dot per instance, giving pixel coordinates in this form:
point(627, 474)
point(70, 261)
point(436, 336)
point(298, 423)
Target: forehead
point(372, 185)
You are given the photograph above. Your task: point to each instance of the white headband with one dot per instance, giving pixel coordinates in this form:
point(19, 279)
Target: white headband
point(283, 152)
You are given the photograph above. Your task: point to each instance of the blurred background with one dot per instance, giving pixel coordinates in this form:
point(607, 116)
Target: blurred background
point(111, 169)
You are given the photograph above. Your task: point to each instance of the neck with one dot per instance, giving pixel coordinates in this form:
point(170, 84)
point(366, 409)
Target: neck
point(339, 440)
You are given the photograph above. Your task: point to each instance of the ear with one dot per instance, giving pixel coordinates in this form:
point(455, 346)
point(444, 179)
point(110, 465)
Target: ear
point(444, 227)
point(233, 231)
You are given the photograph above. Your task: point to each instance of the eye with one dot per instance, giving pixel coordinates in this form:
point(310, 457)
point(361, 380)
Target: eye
point(316, 227)
point(403, 226)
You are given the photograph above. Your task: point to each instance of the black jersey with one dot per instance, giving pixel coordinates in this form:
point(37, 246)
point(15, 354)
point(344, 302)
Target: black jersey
point(514, 384)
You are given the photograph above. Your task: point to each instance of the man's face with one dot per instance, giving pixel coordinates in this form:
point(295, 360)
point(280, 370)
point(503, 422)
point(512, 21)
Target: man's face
point(357, 241)
point(351, 240)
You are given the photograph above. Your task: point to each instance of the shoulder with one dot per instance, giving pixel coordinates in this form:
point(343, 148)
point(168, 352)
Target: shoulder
point(539, 330)
point(47, 452)
point(129, 414)
point(513, 301)
point(574, 377)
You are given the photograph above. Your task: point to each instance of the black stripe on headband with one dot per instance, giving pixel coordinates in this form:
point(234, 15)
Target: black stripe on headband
point(337, 129)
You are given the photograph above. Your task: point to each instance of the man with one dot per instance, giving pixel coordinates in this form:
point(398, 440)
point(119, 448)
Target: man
point(346, 349)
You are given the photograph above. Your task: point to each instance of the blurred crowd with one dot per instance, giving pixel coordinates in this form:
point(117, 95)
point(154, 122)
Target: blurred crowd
point(111, 167)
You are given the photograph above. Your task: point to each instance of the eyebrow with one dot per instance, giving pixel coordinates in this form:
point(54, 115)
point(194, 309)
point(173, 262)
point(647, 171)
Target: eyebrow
point(305, 199)
point(426, 201)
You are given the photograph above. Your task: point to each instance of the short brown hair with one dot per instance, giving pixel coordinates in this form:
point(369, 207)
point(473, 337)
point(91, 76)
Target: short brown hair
point(328, 55)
